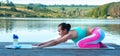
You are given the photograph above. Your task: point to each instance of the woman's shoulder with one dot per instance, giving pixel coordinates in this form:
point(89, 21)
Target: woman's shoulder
point(73, 33)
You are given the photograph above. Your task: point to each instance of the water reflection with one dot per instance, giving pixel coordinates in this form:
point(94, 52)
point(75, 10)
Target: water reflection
point(37, 30)
point(6, 25)
point(9, 25)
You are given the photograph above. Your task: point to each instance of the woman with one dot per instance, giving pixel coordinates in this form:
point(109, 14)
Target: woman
point(83, 37)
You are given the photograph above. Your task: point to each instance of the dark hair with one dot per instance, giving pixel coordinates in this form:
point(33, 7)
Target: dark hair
point(65, 26)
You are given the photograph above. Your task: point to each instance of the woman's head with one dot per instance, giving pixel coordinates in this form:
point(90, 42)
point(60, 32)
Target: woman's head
point(63, 28)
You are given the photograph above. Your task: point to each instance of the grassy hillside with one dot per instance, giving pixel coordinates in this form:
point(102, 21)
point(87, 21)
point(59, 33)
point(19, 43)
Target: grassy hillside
point(6, 11)
point(111, 9)
point(60, 11)
point(38, 10)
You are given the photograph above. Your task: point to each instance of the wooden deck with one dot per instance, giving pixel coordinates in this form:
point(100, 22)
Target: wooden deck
point(58, 52)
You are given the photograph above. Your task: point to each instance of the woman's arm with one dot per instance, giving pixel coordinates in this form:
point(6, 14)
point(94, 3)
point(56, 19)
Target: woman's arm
point(56, 41)
point(42, 43)
point(49, 43)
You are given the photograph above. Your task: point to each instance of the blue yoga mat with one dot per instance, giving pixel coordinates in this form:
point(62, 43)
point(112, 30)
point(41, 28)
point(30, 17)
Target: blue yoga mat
point(29, 46)
point(19, 46)
point(75, 47)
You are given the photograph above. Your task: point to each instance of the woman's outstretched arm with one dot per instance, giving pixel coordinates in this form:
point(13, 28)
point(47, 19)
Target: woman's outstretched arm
point(55, 42)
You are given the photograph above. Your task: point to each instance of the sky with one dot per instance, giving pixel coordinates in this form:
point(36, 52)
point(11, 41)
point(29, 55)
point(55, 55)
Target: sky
point(64, 2)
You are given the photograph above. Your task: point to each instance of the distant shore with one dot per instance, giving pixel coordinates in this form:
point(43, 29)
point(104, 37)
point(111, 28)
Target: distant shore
point(60, 11)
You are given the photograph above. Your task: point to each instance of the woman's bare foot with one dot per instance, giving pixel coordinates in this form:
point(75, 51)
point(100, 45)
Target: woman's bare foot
point(102, 45)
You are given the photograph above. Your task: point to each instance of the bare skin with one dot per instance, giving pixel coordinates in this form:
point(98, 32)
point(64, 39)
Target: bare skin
point(64, 36)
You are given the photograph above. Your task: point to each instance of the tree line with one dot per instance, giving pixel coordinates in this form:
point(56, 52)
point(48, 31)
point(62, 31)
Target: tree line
point(41, 10)
point(111, 9)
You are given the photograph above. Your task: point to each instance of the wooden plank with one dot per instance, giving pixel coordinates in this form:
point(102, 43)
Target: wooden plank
point(59, 52)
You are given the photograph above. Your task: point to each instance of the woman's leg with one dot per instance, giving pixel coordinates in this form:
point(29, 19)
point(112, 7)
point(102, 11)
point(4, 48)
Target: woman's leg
point(88, 41)
point(102, 35)
point(91, 41)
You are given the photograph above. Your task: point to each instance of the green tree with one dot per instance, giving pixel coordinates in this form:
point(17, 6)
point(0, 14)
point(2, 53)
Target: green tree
point(63, 9)
point(30, 6)
point(41, 6)
point(112, 9)
point(0, 4)
point(13, 7)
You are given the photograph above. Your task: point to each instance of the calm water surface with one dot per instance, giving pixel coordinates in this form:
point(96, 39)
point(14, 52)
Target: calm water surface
point(44, 29)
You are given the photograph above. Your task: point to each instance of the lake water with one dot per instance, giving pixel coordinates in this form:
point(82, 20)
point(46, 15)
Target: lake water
point(44, 29)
